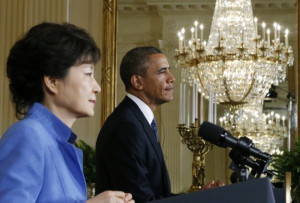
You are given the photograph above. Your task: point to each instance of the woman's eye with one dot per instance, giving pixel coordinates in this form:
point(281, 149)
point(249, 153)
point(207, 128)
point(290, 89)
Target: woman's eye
point(89, 74)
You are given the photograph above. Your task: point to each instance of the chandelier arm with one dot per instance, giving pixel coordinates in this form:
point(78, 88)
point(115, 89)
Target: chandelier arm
point(225, 83)
point(227, 90)
point(200, 80)
point(251, 86)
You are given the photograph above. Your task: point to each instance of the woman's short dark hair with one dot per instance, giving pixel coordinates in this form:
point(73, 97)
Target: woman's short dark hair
point(47, 49)
point(136, 62)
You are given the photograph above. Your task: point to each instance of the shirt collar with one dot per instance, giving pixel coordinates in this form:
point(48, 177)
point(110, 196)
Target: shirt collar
point(49, 120)
point(143, 107)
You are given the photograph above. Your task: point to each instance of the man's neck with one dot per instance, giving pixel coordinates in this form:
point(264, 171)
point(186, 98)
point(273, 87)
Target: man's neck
point(143, 97)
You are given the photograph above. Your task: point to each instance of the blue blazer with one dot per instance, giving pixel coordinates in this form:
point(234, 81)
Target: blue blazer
point(38, 162)
point(128, 156)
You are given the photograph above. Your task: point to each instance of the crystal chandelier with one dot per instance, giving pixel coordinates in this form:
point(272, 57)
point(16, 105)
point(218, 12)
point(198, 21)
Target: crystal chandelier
point(267, 131)
point(236, 63)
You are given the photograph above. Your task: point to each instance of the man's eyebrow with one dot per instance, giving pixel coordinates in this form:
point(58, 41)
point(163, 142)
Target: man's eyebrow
point(164, 68)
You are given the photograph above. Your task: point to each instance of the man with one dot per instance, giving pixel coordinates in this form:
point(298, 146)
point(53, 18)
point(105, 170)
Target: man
point(128, 153)
point(129, 156)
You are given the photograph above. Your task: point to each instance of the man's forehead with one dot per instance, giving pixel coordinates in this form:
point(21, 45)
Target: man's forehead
point(157, 57)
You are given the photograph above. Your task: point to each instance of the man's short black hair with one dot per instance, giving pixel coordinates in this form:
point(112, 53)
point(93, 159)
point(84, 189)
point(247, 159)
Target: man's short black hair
point(136, 62)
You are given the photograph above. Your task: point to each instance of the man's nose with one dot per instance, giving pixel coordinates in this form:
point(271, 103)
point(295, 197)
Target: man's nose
point(171, 78)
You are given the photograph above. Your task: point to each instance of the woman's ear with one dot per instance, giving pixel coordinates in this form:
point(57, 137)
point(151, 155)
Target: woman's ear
point(136, 82)
point(50, 84)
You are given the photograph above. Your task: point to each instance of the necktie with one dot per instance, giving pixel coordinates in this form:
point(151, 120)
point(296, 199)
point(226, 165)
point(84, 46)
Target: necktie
point(154, 127)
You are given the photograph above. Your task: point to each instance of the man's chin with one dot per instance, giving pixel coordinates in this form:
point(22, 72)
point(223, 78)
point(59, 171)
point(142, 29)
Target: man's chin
point(168, 99)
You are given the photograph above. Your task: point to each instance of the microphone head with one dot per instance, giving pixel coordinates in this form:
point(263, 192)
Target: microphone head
point(211, 132)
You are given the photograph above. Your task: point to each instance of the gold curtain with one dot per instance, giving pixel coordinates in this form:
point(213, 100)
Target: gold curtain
point(16, 17)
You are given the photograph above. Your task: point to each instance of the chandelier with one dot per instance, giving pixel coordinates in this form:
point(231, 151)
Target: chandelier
point(237, 64)
point(267, 131)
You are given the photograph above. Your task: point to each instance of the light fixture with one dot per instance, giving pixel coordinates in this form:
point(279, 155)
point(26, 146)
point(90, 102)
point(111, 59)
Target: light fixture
point(267, 131)
point(236, 66)
point(238, 63)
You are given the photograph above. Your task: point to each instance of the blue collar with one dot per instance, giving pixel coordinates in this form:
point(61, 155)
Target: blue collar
point(51, 121)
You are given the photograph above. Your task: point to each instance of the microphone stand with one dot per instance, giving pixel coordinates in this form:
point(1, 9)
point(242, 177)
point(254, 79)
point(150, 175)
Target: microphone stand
point(240, 162)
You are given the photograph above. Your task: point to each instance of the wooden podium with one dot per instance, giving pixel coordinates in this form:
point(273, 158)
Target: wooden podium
point(251, 191)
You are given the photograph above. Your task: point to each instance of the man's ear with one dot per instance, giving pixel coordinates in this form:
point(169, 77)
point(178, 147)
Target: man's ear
point(136, 82)
point(50, 84)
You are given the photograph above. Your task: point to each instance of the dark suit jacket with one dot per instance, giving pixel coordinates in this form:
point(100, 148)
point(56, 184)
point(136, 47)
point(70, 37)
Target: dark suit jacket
point(128, 156)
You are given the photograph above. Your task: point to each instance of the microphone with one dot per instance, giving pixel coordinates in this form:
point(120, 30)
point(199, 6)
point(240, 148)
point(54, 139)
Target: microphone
point(220, 137)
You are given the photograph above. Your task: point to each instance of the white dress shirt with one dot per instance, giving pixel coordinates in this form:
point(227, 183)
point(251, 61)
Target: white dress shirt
point(143, 107)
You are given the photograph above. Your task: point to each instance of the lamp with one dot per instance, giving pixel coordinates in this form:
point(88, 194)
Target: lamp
point(237, 63)
point(267, 131)
point(237, 66)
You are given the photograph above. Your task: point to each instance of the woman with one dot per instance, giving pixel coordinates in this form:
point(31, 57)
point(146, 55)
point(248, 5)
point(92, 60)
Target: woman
point(51, 81)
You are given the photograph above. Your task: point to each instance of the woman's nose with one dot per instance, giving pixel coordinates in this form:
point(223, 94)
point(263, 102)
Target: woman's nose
point(96, 88)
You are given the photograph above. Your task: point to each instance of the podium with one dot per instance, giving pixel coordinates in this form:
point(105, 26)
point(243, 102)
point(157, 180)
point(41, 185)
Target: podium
point(251, 191)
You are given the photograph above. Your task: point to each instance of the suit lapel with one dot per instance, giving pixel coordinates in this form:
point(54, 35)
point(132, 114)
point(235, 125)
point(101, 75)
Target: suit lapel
point(151, 135)
point(149, 132)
